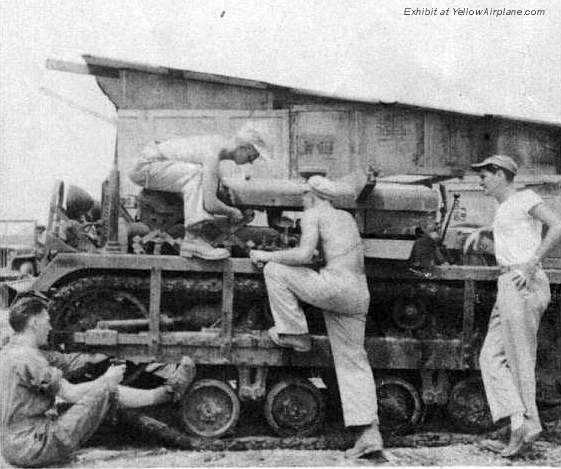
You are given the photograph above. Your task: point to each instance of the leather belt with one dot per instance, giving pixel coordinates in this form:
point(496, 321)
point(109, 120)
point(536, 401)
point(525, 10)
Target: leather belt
point(504, 269)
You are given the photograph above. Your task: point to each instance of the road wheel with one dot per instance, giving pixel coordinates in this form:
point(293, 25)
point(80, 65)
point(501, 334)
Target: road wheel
point(400, 407)
point(468, 408)
point(294, 407)
point(409, 314)
point(210, 409)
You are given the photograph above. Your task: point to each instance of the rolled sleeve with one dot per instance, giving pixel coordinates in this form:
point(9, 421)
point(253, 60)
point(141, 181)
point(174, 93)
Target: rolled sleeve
point(46, 379)
point(73, 364)
point(530, 200)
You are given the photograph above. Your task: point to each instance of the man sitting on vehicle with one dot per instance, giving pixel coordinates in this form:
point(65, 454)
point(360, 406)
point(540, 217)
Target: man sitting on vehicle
point(340, 290)
point(190, 166)
point(32, 433)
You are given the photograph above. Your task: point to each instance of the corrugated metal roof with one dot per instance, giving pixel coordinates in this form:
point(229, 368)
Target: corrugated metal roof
point(97, 65)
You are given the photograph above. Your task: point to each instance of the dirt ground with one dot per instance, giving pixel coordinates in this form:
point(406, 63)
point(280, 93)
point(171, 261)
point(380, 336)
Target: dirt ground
point(546, 454)
point(114, 448)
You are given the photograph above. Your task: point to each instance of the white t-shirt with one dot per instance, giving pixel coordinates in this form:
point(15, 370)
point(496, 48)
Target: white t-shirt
point(517, 234)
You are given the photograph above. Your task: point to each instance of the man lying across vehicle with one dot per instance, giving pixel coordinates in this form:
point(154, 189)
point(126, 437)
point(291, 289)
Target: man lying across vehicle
point(190, 166)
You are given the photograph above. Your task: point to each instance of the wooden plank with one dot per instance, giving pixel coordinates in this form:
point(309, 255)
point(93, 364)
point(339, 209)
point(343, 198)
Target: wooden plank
point(66, 263)
point(79, 68)
point(481, 273)
point(122, 64)
point(224, 80)
point(154, 311)
point(227, 308)
point(468, 321)
point(67, 66)
point(255, 349)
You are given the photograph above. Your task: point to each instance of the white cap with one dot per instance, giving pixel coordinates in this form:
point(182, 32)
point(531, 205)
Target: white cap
point(500, 161)
point(254, 133)
point(322, 187)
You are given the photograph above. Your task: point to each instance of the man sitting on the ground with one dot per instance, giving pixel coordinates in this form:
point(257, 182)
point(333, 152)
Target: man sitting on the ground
point(32, 433)
point(190, 166)
point(341, 290)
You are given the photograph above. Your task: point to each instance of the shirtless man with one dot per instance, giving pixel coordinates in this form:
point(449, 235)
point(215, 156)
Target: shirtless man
point(341, 290)
point(508, 356)
point(190, 166)
point(32, 434)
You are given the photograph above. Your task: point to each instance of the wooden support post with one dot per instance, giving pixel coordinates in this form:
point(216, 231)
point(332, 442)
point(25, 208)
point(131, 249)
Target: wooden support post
point(112, 245)
point(468, 322)
point(227, 307)
point(155, 301)
point(293, 162)
point(427, 143)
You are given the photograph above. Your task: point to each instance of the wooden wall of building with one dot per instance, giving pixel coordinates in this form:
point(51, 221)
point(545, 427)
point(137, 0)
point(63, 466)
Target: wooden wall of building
point(397, 139)
point(325, 135)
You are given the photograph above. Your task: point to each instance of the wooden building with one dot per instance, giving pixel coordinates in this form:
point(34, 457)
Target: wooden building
point(310, 131)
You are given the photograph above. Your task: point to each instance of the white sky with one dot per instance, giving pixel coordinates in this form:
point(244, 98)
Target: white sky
point(366, 49)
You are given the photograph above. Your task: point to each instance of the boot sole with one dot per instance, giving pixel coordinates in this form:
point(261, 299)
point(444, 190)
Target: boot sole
point(190, 254)
point(349, 454)
point(277, 341)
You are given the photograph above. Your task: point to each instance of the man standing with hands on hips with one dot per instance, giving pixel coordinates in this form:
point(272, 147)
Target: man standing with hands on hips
point(508, 355)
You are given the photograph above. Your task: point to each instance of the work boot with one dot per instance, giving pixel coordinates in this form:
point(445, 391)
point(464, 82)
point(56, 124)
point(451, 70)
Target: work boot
point(521, 440)
point(297, 342)
point(370, 441)
point(195, 246)
point(181, 378)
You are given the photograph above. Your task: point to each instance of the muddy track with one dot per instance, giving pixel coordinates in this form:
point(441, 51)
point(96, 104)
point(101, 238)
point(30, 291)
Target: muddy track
point(149, 430)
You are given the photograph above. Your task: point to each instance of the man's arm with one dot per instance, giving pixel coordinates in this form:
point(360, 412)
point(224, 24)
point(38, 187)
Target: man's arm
point(72, 363)
point(211, 202)
point(549, 218)
point(299, 255)
point(472, 241)
point(553, 236)
point(74, 392)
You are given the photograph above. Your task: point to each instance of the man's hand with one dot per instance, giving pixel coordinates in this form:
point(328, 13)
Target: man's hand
point(525, 273)
point(259, 257)
point(472, 241)
point(114, 374)
point(235, 215)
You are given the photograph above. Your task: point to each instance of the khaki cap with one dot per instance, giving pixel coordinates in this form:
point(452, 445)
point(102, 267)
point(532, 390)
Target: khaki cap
point(501, 161)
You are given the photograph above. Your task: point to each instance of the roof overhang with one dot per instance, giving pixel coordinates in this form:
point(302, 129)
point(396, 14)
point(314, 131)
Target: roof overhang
point(108, 67)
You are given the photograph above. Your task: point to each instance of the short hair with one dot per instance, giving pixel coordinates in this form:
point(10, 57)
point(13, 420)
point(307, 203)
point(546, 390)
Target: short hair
point(509, 175)
point(23, 310)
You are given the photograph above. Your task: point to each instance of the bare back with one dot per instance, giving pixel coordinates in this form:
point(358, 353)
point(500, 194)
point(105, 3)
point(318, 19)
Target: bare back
point(340, 240)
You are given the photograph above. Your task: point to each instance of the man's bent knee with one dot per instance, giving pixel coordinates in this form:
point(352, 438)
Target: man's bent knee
point(485, 358)
point(273, 270)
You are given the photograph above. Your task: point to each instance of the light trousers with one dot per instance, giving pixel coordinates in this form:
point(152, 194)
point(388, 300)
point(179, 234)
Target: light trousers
point(155, 172)
point(508, 356)
point(344, 298)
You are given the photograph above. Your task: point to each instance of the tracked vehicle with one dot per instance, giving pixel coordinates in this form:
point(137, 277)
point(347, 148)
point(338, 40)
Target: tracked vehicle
point(118, 286)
